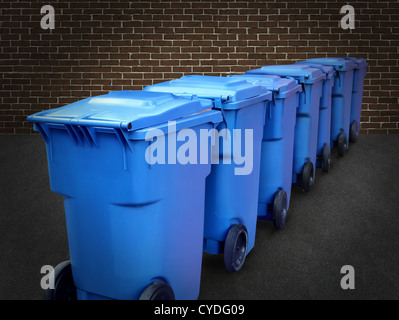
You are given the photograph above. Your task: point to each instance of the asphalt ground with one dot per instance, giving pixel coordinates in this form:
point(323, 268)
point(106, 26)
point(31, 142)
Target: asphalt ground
point(351, 217)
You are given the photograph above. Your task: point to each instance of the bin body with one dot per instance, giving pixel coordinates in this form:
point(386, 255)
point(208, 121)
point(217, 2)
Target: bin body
point(231, 198)
point(324, 132)
point(341, 94)
point(359, 74)
point(307, 116)
point(278, 139)
point(129, 223)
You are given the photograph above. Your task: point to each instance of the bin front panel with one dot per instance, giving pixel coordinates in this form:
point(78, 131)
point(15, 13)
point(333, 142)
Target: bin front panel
point(341, 104)
point(341, 94)
point(230, 198)
point(129, 223)
point(359, 75)
point(277, 153)
point(306, 128)
point(324, 132)
point(278, 139)
point(324, 136)
point(307, 122)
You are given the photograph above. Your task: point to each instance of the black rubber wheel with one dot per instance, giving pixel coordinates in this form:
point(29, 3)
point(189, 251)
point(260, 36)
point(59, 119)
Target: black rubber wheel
point(307, 176)
point(158, 291)
point(326, 166)
point(235, 247)
point(354, 132)
point(342, 144)
point(280, 206)
point(64, 287)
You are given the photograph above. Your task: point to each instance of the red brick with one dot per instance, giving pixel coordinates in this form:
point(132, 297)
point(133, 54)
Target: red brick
point(378, 131)
point(114, 46)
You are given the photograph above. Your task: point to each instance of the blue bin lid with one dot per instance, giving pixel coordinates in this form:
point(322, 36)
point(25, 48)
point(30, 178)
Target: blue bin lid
point(272, 83)
point(327, 70)
point(301, 73)
point(229, 90)
point(339, 64)
point(130, 110)
point(360, 62)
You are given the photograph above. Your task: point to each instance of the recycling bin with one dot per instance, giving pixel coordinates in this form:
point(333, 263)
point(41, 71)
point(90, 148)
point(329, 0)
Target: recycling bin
point(134, 217)
point(307, 118)
point(324, 132)
point(341, 100)
point(277, 146)
point(232, 188)
point(359, 74)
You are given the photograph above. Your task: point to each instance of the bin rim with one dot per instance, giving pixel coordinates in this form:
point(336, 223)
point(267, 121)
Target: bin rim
point(309, 76)
point(266, 97)
point(210, 116)
point(338, 63)
point(329, 71)
point(123, 110)
point(226, 93)
point(360, 62)
point(227, 89)
point(282, 86)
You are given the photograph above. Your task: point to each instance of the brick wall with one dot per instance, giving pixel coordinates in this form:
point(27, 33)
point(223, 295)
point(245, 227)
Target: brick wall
point(98, 46)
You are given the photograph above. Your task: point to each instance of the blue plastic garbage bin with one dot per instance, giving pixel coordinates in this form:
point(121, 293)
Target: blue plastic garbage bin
point(359, 74)
point(231, 199)
point(307, 122)
point(324, 132)
point(341, 100)
point(134, 218)
point(277, 146)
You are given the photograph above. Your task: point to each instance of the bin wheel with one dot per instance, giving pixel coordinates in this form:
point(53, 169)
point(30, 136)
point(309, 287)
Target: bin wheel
point(280, 209)
point(342, 144)
point(158, 291)
point(326, 158)
point(235, 247)
point(354, 132)
point(64, 287)
point(307, 176)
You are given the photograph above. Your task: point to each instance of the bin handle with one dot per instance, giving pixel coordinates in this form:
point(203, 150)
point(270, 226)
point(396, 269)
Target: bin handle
point(268, 110)
point(304, 91)
point(339, 77)
point(219, 105)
